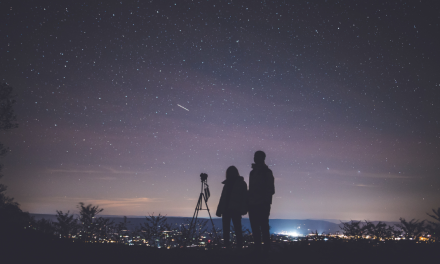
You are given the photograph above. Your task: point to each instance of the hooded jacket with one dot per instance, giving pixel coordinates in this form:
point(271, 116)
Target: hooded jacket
point(233, 198)
point(261, 185)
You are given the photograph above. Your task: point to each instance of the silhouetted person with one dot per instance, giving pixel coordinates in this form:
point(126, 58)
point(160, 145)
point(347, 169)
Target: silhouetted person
point(233, 204)
point(261, 189)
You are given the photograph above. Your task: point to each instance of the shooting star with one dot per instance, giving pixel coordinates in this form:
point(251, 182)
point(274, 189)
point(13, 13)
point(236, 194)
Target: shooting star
point(182, 107)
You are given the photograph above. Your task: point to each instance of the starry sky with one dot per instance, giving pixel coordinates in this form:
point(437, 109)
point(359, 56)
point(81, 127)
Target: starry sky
point(123, 104)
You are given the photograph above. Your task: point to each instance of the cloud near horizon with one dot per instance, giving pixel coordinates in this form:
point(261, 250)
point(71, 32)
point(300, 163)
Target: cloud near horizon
point(40, 205)
point(103, 170)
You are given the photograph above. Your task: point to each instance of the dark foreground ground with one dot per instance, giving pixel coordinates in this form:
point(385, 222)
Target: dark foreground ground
point(57, 251)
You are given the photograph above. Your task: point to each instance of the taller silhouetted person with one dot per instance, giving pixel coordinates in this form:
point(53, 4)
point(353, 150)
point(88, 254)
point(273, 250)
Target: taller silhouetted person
point(261, 189)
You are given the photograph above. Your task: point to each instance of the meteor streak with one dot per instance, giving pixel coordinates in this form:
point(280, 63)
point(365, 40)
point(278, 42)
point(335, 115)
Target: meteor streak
point(182, 107)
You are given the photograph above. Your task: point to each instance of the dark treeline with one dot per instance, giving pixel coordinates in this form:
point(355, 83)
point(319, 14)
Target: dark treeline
point(89, 227)
point(406, 230)
point(155, 231)
point(90, 238)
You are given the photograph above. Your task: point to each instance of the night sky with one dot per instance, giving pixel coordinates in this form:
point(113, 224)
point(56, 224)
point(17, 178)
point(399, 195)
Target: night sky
point(124, 104)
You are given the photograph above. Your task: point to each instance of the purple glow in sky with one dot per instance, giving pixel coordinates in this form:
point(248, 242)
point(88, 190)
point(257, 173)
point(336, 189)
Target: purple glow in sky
point(124, 104)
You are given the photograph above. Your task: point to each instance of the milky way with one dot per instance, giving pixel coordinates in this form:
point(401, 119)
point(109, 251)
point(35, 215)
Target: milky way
point(124, 104)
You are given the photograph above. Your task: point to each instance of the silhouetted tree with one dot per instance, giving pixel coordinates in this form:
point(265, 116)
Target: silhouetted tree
point(434, 227)
point(352, 229)
point(12, 217)
point(391, 232)
point(379, 231)
point(44, 226)
point(102, 226)
point(153, 229)
point(10, 212)
point(412, 229)
point(120, 230)
point(184, 237)
point(187, 235)
point(199, 229)
point(7, 122)
point(136, 235)
point(66, 224)
point(7, 116)
point(88, 221)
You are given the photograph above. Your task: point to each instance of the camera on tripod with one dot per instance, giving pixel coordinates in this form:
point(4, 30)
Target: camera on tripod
point(204, 196)
point(204, 177)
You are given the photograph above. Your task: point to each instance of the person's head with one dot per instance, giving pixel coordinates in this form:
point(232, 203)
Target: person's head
point(232, 173)
point(259, 157)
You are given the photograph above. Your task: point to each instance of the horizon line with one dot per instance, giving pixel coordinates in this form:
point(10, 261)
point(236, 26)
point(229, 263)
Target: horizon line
point(247, 217)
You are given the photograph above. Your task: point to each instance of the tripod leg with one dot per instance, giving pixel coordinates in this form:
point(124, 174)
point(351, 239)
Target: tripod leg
point(212, 222)
point(195, 211)
point(193, 223)
point(198, 207)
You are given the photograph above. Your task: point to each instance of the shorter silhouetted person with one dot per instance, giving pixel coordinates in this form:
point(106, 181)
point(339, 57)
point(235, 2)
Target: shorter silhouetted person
point(261, 189)
point(232, 205)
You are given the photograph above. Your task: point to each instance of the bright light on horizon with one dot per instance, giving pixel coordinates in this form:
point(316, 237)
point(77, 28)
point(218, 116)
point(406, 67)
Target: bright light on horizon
point(293, 234)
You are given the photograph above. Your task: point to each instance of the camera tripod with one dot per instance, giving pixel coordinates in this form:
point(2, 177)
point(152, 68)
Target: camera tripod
point(204, 196)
